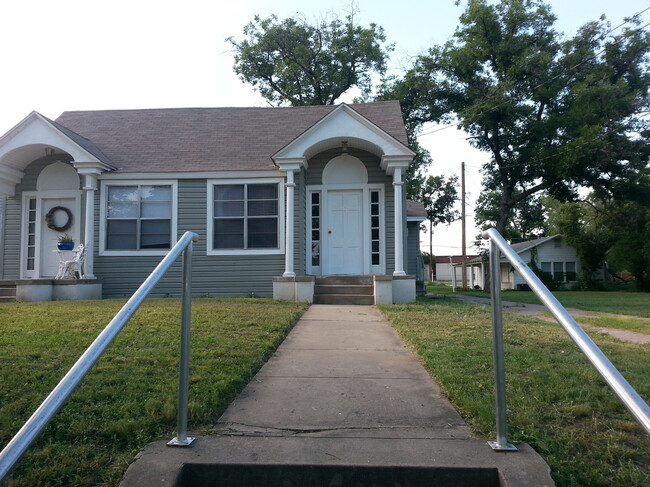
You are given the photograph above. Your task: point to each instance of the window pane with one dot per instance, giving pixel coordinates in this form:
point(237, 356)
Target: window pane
point(263, 208)
point(546, 266)
point(375, 259)
point(375, 234)
point(123, 193)
point(228, 208)
point(262, 191)
point(229, 192)
point(374, 221)
point(155, 234)
point(228, 233)
point(262, 233)
point(32, 204)
point(570, 266)
point(121, 235)
point(122, 210)
point(156, 209)
point(315, 223)
point(375, 246)
point(315, 198)
point(156, 193)
point(374, 197)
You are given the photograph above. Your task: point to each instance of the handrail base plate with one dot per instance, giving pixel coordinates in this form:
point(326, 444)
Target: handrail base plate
point(497, 447)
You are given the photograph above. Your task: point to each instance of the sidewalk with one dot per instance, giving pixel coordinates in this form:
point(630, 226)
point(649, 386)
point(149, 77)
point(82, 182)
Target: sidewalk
point(341, 390)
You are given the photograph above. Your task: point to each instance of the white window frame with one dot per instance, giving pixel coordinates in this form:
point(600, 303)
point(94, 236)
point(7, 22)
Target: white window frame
point(211, 183)
point(365, 189)
point(105, 184)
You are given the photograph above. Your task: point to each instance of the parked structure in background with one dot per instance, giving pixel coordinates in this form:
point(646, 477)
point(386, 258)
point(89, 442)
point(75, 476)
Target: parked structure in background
point(551, 255)
point(445, 268)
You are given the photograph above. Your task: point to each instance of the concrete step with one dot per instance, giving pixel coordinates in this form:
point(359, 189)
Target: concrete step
point(347, 289)
point(7, 292)
point(344, 280)
point(342, 299)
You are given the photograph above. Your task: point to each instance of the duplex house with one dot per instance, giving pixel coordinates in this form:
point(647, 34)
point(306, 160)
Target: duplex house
point(279, 197)
point(551, 255)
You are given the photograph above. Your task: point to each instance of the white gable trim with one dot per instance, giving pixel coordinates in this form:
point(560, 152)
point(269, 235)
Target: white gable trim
point(28, 141)
point(341, 125)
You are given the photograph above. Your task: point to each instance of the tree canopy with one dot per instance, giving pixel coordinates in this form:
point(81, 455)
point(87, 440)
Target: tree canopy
point(293, 62)
point(555, 115)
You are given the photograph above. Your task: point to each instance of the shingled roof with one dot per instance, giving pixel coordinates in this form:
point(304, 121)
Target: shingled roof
point(208, 139)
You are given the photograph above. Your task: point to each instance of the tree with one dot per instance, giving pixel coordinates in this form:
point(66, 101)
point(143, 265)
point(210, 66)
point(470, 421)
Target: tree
point(293, 62)
point(554, 115)
point(438, 196)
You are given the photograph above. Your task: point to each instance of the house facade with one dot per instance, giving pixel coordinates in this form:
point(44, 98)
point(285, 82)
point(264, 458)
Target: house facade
point(551, 254)
point(277, 195)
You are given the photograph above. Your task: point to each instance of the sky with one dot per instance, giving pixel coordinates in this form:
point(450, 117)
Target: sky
point(124, 54)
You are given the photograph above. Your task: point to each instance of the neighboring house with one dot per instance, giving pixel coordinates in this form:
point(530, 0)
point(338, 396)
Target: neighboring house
point(277, 195)
point(446, 264)
point(551, 254)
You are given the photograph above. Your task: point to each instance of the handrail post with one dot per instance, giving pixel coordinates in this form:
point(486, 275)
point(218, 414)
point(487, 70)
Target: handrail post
point(181, 438)
point(499, 352)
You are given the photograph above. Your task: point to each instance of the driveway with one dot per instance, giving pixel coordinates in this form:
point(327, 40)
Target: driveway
point(541, 312)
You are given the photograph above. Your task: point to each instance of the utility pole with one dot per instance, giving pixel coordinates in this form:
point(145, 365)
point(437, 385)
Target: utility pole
point(464, 244)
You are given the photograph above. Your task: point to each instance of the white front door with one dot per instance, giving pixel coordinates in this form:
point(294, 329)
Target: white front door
point(344, 233)
point(49, 260)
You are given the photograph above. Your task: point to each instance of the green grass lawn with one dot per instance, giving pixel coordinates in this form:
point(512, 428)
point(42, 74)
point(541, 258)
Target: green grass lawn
point(625, 303)
point(130, 397)
point(556, 400)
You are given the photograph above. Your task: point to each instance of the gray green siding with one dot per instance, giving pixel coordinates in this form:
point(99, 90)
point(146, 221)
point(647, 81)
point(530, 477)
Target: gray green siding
point(413, 248)
point(212, 275)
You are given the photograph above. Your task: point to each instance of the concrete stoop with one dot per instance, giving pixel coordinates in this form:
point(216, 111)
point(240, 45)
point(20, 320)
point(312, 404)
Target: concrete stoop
point(232, 460)
point(344, 290)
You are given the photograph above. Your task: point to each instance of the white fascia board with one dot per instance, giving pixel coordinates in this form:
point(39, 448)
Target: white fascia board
point(109, 176)
point(36, 130)
point(343, 123)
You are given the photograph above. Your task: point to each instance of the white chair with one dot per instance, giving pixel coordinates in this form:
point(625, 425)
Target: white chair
point(67, 267)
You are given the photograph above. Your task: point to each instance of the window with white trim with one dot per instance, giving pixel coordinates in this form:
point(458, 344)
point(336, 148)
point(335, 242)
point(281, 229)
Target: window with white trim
point(138, 217)
point(245, 216)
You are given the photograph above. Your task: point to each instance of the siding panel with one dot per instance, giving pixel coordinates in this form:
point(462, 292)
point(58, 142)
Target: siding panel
point(212, 275)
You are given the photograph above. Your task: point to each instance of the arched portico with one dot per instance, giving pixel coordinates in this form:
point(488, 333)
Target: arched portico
point(346, 246)
point(63, 160)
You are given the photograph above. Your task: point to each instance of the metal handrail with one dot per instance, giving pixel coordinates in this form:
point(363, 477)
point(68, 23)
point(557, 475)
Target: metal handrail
point(55, 400)
point(626, 393)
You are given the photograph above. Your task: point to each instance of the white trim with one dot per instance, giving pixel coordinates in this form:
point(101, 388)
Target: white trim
point(210, 217)
point(136, 182)
point(110, 176)
point(368, 268)
point(40, 196)
point(23, 272)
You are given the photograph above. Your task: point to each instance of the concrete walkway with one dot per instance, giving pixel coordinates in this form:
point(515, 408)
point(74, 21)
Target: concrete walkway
point(341, 390)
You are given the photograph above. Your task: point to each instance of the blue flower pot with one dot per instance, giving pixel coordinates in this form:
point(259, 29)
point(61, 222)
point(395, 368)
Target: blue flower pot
point(65, 245)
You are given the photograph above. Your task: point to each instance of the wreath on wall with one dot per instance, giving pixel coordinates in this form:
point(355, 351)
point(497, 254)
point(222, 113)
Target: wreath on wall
point(49, 219)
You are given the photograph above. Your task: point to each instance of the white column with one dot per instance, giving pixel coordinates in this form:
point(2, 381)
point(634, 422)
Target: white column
point(90, 186)
point(288, 225)
point(399, 220)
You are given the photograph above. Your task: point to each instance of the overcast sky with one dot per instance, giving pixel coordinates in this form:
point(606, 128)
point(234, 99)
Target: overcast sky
point(119, 54)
